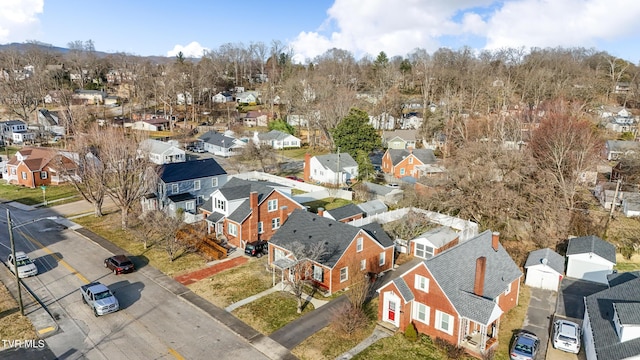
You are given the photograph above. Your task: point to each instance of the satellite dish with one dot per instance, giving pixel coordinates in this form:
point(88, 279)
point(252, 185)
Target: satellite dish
point(544, 261)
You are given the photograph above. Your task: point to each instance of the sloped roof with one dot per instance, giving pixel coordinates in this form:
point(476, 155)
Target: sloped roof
point(554, 260)
point(237, 188)
point(454, 271)
point(189, 170)
point(310, 229)
point(373, 206)
point(425, 156)
point(377, 232)
point(345, 211)
point(600, 309)
point(273, 135)
point(407, 135)
point(181, 197)
point(157, 146)
point(217, 139)
point(404, 289)
point(330, 161)
point(215, 217)
point(439, 236)
point(380, 189)
point(241, 212)
point(622, 145)
point(37, 158)
point(592, 244)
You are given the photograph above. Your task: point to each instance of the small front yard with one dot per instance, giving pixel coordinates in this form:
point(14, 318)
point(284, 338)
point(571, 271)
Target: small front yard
point(270, 313)
point(34, 196)
point(240, 282)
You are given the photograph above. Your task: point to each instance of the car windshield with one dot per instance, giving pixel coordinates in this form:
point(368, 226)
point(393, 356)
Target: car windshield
point(102, 295)
point(126, 263)
point(24, 262)
point(524, 348)
point(566, 338)
point(250, 247)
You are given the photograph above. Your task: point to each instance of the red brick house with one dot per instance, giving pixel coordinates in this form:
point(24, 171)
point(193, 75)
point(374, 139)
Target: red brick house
point(409, 162)
point(246, 211)
point(35, 166)
point(349, 252)
point(458, 295)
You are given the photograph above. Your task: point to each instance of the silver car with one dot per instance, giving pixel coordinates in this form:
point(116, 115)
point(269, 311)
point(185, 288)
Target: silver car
point(566, 336)
point(525, 346)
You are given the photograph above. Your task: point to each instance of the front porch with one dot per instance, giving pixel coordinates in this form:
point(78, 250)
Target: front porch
point(472, 343)
point(478, 339)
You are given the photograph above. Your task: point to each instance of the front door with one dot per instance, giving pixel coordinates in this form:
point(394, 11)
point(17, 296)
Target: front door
point(391, 308)
point(392, 311)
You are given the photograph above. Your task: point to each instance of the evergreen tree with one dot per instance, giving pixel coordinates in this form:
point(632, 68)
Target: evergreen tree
point(354, 133)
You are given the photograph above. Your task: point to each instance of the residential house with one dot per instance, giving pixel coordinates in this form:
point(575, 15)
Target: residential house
point(383, 121)
point(53, 96)
point(373, 207)
point(277, 139)
point(222, 97)
point(433, 242)
point(220, 144)
point(88, 97)
point(618, 149)
point(154, 124)
point(545, 269)
point(246, 211)
point(344, 214)
point(160, 152)
point(255, 118)
point(386, 194)
point(50, 122)
point(459, 295)
point(631, 205)
point(627, 170)
point(590, 258)
point(411, 121)
point(410, 162)
point(111, 101)
point(184, 98)
point(400, 139)
point(333, 169)
point(185, 185)
point(348, 251)
point(611, 324)
point(36, 166)
point(247, 98)
point(16, 132)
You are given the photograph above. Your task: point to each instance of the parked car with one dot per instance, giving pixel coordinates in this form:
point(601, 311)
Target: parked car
point(25, 266)
point(119, 264)
point(525, 346)
point(295, 178)
point(566, 336)
point(257, 248)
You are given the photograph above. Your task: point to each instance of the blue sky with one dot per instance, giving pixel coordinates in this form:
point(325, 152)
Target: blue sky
point(310, 27)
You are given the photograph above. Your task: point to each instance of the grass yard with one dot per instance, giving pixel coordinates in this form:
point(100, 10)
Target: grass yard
point(34, 196)
point(108, 226)
point(271, 312)
point(299, 153)
point(13, 325)
point(398, 347)
point(327, 204)
point(623, 265)
point(248, 279)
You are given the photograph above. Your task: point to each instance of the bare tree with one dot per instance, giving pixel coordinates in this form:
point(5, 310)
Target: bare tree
point(162, 229)
point(302, 270)
point(264, 154)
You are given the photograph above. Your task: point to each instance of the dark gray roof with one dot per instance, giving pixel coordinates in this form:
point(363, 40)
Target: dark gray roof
point(344, 212)
point(208, 205)
point(404, 289)
point(181, 197)
point(189, 170)
point(619, 278)
point(377, 232)
point(309, 229)
point(454, 270)
point(379, 189)
point(554, 260)
point(241, 212)
point(373, 207)
point(330, 161)
point(237, 188)
point(592, 244)
point(426, 156)
point(215, 217)
point(599, 308)
point(628, 313)
point(218, 139)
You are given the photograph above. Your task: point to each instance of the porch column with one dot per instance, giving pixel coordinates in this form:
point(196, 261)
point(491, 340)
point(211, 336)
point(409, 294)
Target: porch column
point(483, 337)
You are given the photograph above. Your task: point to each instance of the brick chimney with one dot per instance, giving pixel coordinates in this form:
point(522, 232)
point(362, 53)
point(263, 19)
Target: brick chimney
point(410, 148)
point(252, 231)
point(283, 214)
point(307, 167)
point(481, 269)
point(253, 200)
point(495, 240)
point(321, 212)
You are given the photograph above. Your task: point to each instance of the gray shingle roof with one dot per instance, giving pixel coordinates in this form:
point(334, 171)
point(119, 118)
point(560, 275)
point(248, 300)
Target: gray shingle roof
point(554, 260)
point(345, 211)
point(309, 229)
point(454, 270)
point(217, 139)
point(426, 156)
point(215, 217)
point(241, 212)
point(404, 289)
point(628, 313)
point(189, 170)
point(273, 135)
point(599, 308)
point(622, 145)
point(592, 244)
point(330, 161)
point(181, 197)
point(237, 188)
point(440, 236)
point(373, 207)
point(377, 232)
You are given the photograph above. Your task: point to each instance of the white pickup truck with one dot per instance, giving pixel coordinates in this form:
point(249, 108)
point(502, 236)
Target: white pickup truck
point(100, 298)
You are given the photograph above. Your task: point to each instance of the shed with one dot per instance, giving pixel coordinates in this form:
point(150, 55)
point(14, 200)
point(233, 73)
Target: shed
point(590, 258)
point(545, 269)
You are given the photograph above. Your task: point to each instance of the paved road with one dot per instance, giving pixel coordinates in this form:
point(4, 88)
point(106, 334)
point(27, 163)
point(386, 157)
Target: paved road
point(153, 322)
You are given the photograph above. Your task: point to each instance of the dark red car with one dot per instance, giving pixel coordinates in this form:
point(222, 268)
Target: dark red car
point(119, 264)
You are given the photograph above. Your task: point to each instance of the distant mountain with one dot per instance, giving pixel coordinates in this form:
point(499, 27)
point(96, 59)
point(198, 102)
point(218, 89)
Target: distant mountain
point(61, 50)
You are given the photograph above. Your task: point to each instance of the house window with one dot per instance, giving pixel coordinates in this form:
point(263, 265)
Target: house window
point(421, 312)
point(423, 251)
point(422, 283)
point(444, 322)
point(344, 274)
point(318, 273)
point(13, 171)
point(359, 244)
point(278, 254)
point(220, 204)
point(196, 185)
point(232, 229)
point(272, 205)
point(214, 182)
point(43, 175)
point(190, 205)
point(363, 264)
point(402, 171)
point(382, 258)
point(508, 290)
point(174, 188)
point(260, 228)
point(24, 175)
point(275, 223)
point(411, 160)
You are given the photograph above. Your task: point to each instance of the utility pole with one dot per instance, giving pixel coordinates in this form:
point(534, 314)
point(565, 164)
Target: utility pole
point(15, 265)
point(615, 198)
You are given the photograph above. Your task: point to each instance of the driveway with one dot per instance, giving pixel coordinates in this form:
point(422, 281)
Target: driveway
point(540, 315)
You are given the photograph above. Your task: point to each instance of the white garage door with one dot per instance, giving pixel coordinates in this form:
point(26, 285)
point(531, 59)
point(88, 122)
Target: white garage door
point(586, 270)
point(542, 279)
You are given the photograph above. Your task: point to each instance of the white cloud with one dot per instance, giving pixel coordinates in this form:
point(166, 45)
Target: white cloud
point(18, 19)
point(401, 26)
point(193, 50)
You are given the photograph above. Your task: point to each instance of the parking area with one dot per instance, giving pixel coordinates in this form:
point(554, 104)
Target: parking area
point(539, 317)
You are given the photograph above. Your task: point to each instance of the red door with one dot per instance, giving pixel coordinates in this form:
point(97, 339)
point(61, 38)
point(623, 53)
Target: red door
point(392, 311)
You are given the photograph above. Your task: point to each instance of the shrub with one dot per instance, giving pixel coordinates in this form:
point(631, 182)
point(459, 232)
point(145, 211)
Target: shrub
point(627, 251)
point(410, 332)
point(348, 319)
point(453, 351)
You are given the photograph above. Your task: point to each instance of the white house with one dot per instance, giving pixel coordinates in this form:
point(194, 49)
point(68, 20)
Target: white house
point(334, 169)
point(545, 269)
point(276, 139)
point(590, 258)
point(248, 97)
point(155, 124)
point(222, 97)
point(160, 152)
point(220, 144)
point(383, 121)
point(433, 242)
point(16, 131)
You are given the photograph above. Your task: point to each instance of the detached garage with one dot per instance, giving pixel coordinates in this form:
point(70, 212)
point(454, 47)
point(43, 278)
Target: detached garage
point(545, 269)
point(590, 258)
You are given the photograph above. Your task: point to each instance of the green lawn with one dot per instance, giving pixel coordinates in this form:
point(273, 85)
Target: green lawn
point(398, 347)
point(34, 196)
point(271, 312)
point(327, 204)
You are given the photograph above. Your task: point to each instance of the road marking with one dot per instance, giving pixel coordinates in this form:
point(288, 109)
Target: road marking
point(57, 258)
point(46, 330)
point(175, 354)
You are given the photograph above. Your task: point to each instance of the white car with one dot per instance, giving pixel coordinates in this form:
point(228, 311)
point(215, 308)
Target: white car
point(566, 336)
point(25, 266)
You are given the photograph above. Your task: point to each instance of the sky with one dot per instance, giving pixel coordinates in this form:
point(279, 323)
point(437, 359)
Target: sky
point(311, 27)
